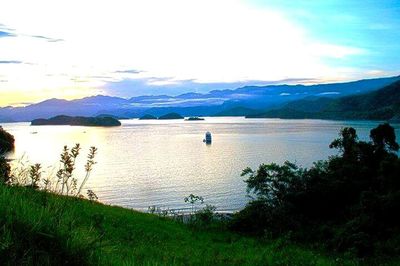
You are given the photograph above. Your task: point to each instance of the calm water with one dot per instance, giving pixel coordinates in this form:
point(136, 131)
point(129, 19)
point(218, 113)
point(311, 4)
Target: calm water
point(144, 163)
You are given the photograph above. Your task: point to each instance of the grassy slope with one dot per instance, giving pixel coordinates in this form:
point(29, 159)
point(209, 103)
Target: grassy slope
point(40, 228)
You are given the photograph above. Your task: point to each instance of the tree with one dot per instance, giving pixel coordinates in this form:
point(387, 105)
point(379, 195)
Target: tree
point(346, 143)
point(6, 145)
point(349, 202)
point(6, 141)
point(5, 170)
point(384, 138)
point(271, 181)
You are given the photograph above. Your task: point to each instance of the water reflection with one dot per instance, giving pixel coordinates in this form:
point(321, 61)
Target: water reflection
point(151, 162)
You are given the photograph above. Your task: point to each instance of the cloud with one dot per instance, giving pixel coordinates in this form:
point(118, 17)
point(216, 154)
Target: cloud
point(46, 38)
point(21, 104)
point(329, 93)
point(8, 32)
point(152, 86)
point(10, 62)
point(129, 71)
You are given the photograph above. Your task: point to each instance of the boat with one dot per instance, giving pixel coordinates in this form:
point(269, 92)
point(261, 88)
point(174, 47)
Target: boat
point(207, 139)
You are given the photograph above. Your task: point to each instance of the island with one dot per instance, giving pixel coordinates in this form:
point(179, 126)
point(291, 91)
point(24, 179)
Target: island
point(77, 121)
point(171, 116)
point(148, 117)
point(194, 118)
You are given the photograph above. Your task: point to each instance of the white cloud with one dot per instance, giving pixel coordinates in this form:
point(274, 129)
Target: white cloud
point(204, 41)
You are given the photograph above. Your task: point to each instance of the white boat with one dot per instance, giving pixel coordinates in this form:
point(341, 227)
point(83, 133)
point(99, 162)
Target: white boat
point(208, 138)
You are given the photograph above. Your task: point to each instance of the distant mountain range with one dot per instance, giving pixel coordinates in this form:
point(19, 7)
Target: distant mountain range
point(249, 100)
point(382, 104)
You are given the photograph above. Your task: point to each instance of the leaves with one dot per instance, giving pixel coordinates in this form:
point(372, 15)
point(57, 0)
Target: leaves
point(35, 174)
point(348, 202)
point(271, 181)
point(64, 182)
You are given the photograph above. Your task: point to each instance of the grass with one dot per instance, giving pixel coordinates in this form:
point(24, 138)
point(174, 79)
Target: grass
point(38, 228)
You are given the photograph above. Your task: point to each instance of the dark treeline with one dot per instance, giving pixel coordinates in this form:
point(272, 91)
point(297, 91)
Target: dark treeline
point(348, 203)
point(6, 141)
point(6, 145)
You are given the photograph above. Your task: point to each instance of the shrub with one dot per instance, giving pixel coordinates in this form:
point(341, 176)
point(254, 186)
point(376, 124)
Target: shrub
point(349, 202)
point(6, 145)
point(6, 141)
point(5, 170)
point(64, 182)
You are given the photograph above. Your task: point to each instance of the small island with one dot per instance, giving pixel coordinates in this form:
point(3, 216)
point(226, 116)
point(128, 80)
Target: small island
point(148, 117)
point(77, 121)
point(171, 116)
point(194, 118)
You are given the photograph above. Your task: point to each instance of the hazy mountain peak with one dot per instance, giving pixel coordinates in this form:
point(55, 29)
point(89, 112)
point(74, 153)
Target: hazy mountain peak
point(191, 103)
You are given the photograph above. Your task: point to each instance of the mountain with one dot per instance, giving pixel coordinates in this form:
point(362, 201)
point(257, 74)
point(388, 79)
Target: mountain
point(148, 117)
point(237, 111)
point(383, 104)
point(239, 101)
point(262, 97)
point(171, 116)
point(112, 116)
point(89, 106)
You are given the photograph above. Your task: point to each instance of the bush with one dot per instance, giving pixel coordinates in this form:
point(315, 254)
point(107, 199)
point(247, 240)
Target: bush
point(5, 170)
point(6, 145)
point(6, 141)
point(64, 182)
point(206, 215)
point(349, 202)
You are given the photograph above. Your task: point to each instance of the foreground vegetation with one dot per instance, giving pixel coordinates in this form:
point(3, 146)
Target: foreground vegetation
point(6, 144)
point(46, 221)
point(6, 141)
point(343, 211)
point(348, 203)
point(39, 228)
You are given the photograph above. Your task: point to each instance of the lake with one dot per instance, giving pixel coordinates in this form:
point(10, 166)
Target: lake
point(147, 162)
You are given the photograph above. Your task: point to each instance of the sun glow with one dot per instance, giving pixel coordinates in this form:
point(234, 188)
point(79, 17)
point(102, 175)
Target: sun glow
point(74, 48)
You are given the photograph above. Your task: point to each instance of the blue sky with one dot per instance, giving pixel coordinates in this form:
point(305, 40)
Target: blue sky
point(129, 48)
point(371, 25)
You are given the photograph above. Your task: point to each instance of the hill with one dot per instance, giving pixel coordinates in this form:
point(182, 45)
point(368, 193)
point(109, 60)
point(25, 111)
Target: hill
point(171, 116)
point(148, 117)
point(39, 228)
point(383, 104)
point(237, 111)
point(112, 116)
point(77, 121)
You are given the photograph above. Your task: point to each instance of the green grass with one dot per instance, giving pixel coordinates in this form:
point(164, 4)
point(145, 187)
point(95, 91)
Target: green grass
point(38, 228)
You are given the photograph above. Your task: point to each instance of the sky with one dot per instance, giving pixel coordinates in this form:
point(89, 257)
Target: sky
point(71, 49)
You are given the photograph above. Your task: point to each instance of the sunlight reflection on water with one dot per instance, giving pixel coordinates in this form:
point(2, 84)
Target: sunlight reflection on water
point(144, 163)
